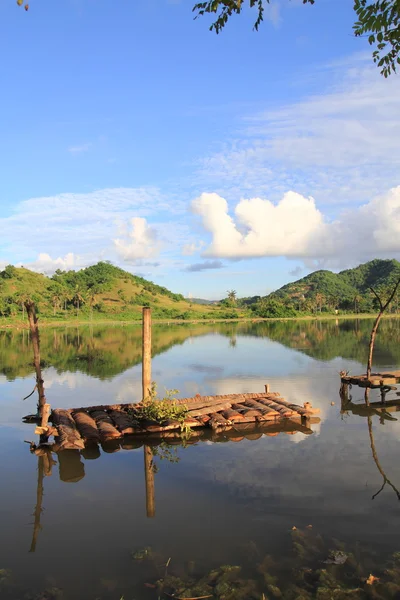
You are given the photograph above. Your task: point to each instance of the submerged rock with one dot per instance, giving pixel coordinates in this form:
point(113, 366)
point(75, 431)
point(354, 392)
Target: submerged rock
point(143, 554)
point(336, 557)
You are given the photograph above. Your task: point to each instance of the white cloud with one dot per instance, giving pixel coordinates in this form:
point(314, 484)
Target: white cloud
point(262, 229)
point(83, 223)
point(140, 243)
point(192, 248)
point(342, 143)
point(47, 265)
point(294, 227)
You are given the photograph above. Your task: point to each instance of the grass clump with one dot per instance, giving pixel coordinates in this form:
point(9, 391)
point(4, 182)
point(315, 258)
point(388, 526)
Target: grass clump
point(161, 410)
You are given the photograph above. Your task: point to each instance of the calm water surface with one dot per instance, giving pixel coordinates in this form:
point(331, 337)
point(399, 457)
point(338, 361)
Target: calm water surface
point(219, 501)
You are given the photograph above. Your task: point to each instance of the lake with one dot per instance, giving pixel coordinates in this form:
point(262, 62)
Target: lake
point(231, 503)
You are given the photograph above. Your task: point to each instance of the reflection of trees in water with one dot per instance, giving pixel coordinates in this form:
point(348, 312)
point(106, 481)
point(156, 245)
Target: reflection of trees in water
point(105, 351)
point(325, 340)
point(101, 351)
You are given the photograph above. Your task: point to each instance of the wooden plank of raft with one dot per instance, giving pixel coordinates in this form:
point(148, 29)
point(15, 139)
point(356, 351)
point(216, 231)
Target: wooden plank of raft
point(249, 414)
point(265, 410)
point(68, 437)
point(87, 427)
point(154, 427)
point(105, 426)
point(201, 401)
point(232, 415)
point(209, 409)
point(306, 410)
point(282, 410)
point(217, 420)
point(192, 422)
point(123, 422)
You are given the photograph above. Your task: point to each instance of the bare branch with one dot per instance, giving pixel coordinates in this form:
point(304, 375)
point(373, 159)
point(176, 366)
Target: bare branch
point(376, 295)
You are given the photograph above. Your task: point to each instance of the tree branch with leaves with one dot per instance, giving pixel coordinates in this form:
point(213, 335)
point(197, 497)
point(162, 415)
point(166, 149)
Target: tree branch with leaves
point(379, 21)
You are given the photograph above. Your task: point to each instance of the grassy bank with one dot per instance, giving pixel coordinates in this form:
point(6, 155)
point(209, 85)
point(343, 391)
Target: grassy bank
point(18, 323)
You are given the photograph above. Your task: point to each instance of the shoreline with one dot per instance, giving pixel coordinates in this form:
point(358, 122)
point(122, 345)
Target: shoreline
point(113, 322)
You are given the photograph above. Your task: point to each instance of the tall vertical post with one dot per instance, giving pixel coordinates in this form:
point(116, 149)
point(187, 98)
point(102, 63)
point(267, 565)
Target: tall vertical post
point(146, 352)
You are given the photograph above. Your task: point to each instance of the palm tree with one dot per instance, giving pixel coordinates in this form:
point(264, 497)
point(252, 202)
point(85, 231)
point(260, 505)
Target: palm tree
point(78, 298)
point(65, 296)
point(21, 298)
point(232, 296)
point(56, 299)
point(319, 299)
point(92, 297)
point(357, 300)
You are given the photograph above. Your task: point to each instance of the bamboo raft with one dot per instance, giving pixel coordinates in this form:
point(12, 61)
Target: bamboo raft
point(376, 380)
point(77, 428)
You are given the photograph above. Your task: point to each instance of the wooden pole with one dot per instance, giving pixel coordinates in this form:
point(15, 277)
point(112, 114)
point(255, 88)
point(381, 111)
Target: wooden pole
point(146, 352)
point(149, 478)
point(33, 324)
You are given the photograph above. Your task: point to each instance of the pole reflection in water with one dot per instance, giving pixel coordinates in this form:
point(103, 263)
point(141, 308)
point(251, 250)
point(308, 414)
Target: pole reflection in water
point(45, 465)
point(149, 479)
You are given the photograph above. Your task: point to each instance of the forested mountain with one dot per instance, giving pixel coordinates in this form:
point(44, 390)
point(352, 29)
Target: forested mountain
point(324, 291)
point(104, 291)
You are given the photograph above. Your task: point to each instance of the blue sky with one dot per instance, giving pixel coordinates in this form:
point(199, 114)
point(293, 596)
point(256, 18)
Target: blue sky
point(131, 133)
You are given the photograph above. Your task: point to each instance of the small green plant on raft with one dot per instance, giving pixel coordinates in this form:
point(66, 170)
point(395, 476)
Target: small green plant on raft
point(161, 410)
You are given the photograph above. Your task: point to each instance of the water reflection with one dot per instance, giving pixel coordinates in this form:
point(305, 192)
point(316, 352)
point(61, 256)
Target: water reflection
point(385, 478)
point(276, 481)
point(105, 352)
point(71, 468)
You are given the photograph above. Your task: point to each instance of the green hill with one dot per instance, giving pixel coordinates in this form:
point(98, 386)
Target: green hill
point(324, 291)
point(104, 292)
point(100, 292)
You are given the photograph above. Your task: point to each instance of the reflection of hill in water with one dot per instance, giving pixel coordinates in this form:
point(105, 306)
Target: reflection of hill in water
point(106, 351)
point(326, 340)
point(101, 352)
